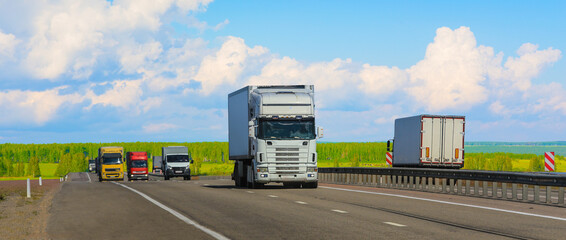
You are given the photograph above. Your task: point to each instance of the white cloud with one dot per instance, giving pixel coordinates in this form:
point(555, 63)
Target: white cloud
point(8, 43)
point(135, 56)
point(452, 72)
point(159, 127)
point(381, 80)
point(71, 36)
point(226, 65)
point(123, 94)
point(518, 72)
point(33, 107)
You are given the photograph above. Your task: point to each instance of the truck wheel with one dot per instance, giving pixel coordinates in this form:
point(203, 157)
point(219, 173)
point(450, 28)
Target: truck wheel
point(166, 177)
point(292, 185)
point(310, 185)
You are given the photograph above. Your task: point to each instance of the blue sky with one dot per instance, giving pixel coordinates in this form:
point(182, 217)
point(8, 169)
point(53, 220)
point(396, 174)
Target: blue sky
point(101, 71)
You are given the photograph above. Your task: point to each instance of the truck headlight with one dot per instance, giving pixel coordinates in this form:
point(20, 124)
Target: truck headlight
point(312, 169)
point(262, 169)
point(169, 167)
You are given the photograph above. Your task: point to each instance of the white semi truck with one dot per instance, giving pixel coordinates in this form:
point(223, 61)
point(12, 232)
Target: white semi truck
point(272, 136)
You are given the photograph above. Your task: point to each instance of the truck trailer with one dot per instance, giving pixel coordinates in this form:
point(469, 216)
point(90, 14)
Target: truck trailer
point(176, 162)
point(429, 141)
point(272, 136)
point(109, 163)
point(136, 163)
point(157, 164)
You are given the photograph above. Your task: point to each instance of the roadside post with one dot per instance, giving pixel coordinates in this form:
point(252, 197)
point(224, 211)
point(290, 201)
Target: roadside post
point(29, 190)
point(388, 157)
point(549, 162)
point(39, 181)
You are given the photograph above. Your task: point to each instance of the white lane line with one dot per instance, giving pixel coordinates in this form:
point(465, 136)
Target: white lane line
point(88, 175)
point(395, 224)
point(206, 184)
point(249, 192)
point(339, 211)
point(451, 203)
point(273, 196)
point(177, 214)
point(300, 202)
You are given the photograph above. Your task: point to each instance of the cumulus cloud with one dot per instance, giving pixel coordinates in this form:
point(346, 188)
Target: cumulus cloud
point(123, 94)
point(518, 72)
point(452, 73)
point(8, 44)
point(159, 127)
point(71, 36)
point(226, 65)
point(33, 107)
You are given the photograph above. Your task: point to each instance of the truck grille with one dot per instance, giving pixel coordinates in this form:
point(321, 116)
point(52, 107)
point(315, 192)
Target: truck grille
point(182, 169)
point(287, 154)
point(287, 168)
point(112, 169)
point(287, 149)
point(287, 159)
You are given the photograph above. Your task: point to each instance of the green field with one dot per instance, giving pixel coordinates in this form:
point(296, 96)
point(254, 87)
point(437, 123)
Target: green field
point(210, 158)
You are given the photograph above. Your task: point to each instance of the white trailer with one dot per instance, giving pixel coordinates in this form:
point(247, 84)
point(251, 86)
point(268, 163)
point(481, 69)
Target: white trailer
point(429, 141)
point(272, 136)
point(157, 163)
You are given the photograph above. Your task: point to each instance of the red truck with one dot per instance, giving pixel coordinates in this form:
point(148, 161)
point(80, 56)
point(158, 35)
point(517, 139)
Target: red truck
point(137, 165)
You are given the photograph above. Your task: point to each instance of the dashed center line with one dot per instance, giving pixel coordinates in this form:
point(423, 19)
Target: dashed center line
point(206, 184)
point(249, 192)
point(300, 202)
point(273, 196)
point(395, 224)
point(339, 211)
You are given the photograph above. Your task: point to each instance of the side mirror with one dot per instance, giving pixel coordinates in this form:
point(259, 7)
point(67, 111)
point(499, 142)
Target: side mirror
point(320, 132)
point(192, 161)
point(251, 129)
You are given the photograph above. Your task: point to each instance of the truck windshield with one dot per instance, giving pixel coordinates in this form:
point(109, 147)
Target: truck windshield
point(177, 158)
point(139, 164)
point(111, 160)
point(286, 129)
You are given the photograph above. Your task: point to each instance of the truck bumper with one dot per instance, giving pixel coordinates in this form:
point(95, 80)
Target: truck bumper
point(172, 173)
point(138, 177)
point(112, 176)
point(282, 178)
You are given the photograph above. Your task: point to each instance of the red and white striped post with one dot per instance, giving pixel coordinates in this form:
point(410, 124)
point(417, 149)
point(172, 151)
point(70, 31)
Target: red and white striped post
point(388, 158)
point(549, 161)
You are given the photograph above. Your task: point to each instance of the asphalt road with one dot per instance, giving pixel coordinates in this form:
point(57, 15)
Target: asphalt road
point(208, 209)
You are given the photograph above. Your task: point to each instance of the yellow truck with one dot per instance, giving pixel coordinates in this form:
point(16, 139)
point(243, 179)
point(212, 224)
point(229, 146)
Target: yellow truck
point(109, 163)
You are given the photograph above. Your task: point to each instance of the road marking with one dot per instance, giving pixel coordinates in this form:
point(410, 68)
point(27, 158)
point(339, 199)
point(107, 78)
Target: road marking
point(273, 196)
point(395, 224)
point(451, 203)
point(339, 211)
point(206, 184)
point(88, 175)
point(177, 214)
point(249, 192)
point(300, 202)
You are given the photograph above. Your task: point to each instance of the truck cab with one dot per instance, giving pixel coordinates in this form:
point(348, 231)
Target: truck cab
point(176, 162)
point(110, 163)
point(137, 165)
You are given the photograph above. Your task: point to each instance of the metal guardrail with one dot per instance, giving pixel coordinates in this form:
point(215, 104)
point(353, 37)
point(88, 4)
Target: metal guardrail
point(514, 186)
point(541, 179)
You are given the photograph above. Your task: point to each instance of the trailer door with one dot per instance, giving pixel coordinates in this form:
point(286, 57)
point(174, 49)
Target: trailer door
point(448, 140)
